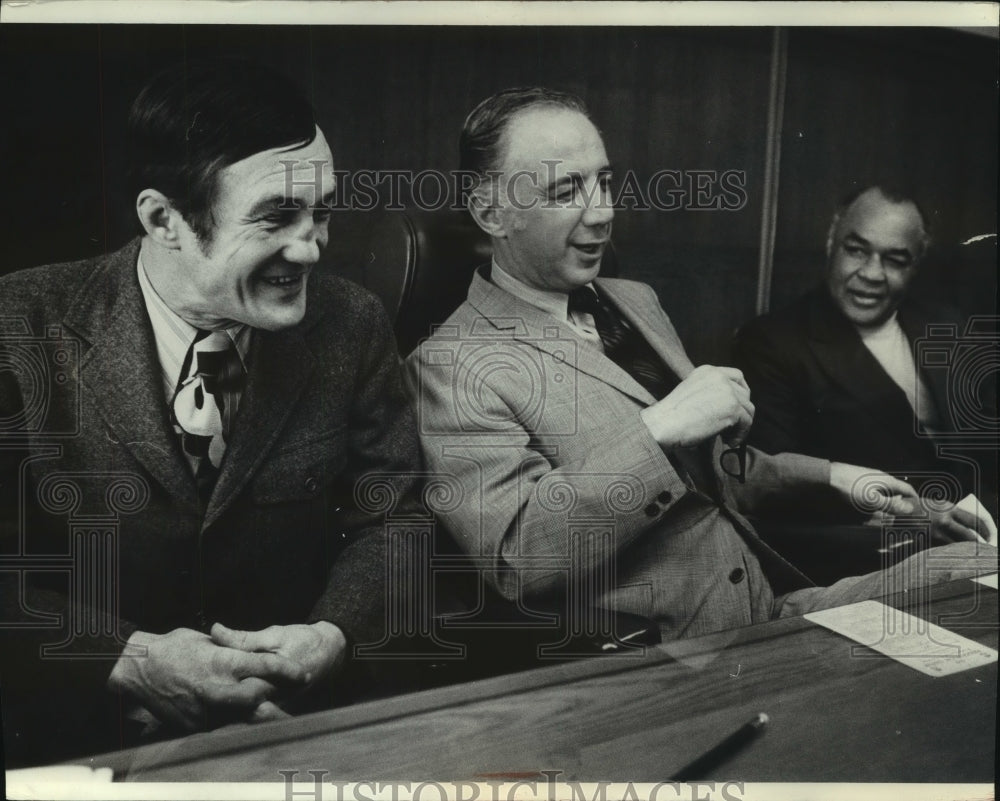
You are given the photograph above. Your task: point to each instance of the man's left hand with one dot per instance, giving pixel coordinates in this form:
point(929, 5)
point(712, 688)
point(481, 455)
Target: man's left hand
point(319, 647)
point(872, 491)
point(958, 525)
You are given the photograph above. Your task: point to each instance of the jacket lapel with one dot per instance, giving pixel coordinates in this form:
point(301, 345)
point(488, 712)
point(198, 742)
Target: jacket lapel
point(914, 323)
point(852, 366)
point(519, 320)
point(280, 364)
point(120, 373)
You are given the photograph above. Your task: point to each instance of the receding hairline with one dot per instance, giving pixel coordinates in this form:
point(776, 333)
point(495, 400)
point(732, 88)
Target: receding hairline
point(877, 193)
point(503, 142)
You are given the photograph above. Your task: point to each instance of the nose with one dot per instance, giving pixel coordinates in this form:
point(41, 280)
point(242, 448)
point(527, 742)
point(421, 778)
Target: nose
point(599, 209)
point(871, 269)
point(307, 242)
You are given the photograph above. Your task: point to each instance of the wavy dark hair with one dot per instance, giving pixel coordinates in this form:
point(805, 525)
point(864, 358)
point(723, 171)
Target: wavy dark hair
point(196, 118)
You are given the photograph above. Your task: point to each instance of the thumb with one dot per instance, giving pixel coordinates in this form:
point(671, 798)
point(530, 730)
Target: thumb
point(268, 710)
point(897, 505)
point(240, 640)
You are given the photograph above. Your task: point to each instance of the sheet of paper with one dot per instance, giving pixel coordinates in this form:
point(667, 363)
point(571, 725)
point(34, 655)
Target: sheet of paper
point(908, 639)
point(988, 581)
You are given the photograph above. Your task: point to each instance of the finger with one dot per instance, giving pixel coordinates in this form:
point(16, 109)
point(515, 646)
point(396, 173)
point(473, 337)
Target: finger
point(275, 668)
point(732, 373)
point(897, 505)
point(949, 530)
point(737, 433)
point(247, 693)
point(263, 640)
point(268, 711)
point(971, 521)
point(897, 486)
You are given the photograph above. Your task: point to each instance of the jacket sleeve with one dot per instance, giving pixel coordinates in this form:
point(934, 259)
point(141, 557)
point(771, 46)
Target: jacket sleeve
point(514, 504)
point(384, 453)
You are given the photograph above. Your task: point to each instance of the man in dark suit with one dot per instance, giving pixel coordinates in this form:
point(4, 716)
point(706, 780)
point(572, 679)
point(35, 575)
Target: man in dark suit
point(588, 450)
point(182, 545)
point(835, 374)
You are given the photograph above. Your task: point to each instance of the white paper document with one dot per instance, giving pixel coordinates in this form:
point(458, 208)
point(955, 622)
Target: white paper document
point(987, 581)
point(906, 638)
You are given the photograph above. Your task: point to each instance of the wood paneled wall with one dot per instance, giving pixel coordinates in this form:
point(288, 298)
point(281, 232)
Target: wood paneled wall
point(859, 105)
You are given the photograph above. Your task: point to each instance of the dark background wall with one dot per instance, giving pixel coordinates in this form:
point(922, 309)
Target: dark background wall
point(859, 105)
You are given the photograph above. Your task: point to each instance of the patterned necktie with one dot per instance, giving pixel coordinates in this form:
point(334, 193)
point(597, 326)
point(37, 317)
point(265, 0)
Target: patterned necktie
point(204, 405)
point(623, 345)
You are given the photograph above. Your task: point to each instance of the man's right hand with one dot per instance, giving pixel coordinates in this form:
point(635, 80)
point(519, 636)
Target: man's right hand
point(184, 677)
point(710, 401)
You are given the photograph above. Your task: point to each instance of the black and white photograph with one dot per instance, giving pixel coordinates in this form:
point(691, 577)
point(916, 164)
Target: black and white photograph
point(494, 401)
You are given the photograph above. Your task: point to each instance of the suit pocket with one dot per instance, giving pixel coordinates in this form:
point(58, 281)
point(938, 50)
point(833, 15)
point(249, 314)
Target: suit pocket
point(636, 599)
point(302, 470)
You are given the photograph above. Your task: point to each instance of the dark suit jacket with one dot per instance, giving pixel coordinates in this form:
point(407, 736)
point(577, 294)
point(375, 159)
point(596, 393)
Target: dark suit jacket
point(86, 447)
point(818, 390)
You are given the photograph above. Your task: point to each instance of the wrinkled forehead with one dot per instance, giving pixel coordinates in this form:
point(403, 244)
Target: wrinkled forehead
point(551, 139)
point(302, 174)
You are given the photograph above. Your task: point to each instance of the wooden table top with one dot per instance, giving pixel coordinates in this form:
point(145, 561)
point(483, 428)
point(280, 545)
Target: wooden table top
point(837, 713)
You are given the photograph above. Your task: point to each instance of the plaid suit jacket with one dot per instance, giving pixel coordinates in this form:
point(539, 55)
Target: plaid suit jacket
point(560, 480)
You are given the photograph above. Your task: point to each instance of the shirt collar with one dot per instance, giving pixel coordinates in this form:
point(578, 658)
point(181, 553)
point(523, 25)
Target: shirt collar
point(889, 328)
point(550, 301)
point(174, 335)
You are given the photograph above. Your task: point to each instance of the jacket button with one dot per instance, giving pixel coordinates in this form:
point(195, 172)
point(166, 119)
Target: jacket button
point(311, 484)
point(737, 575)
point(664, 497)
point(652, 510)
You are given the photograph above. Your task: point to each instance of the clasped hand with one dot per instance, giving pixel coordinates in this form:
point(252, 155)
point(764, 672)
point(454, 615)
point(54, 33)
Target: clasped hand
point(194, 681)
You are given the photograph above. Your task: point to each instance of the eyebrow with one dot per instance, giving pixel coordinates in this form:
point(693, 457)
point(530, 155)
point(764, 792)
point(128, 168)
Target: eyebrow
point(860, 240)
point(282, 203)
point(574, 177)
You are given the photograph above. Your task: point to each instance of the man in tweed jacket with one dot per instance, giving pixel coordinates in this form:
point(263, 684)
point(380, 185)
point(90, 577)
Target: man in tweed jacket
point(153, 605)
point(576, 482)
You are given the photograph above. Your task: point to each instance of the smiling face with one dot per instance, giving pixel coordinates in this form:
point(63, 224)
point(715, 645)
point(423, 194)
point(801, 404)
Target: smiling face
point(872, 257)
point(270, 227)
point(555, 212)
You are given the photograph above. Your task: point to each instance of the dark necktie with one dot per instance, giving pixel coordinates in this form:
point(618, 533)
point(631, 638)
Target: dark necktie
point(623, 344)
point(627, 348)
point(204, 405)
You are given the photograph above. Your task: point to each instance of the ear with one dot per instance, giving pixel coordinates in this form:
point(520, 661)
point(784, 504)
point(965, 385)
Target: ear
point(162, 221)
point(831, 235)
point(486, 212)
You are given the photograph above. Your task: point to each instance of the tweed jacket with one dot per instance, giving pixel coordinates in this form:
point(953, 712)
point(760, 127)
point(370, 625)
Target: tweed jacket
point(818, 390)
point(87, 447)
point(559, 478)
